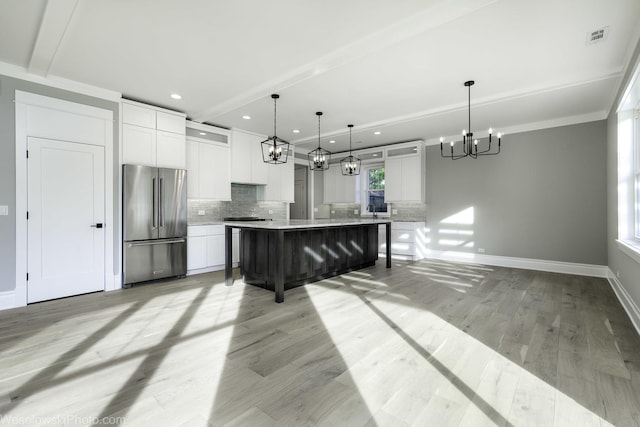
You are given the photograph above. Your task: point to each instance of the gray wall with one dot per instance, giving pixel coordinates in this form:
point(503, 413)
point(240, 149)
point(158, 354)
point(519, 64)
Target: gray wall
point(628, 270)
point(8, 86)
point(543, 197)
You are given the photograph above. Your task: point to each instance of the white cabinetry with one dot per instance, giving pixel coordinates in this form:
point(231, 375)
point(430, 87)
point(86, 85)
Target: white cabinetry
point(206, 248)
point(280, 183)
point(408, 240)
point(246, 158)
point(153, 137)
point(404, 174)
point(208, 162)
point(340, 188)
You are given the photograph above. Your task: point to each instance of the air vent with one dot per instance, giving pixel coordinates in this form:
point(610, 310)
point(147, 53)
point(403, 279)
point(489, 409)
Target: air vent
point(597, 36)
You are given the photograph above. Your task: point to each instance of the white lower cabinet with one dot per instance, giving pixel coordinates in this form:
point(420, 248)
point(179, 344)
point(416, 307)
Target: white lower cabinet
point(206, 248)
point(408, 240)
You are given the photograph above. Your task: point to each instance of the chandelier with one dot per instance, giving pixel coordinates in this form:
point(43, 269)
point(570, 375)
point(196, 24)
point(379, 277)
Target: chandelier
point(350, 165)
point(469, 144)
point(319, 158)
point(274, 149)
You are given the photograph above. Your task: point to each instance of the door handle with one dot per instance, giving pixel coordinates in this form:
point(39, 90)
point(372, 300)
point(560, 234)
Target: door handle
point(160, 202)
point(97, 225)
point(153, 204)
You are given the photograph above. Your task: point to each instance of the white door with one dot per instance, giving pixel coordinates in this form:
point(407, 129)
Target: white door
point(65, 254)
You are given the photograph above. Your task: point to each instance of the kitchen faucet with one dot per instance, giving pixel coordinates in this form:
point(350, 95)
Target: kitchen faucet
point(372, 208)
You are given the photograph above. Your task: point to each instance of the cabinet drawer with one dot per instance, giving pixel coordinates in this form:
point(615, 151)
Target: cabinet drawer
point(403, 236)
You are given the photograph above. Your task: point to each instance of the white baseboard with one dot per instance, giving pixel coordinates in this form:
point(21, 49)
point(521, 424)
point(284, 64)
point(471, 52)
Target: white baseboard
point(625, 299)
point(524, 263)
point(7, 300)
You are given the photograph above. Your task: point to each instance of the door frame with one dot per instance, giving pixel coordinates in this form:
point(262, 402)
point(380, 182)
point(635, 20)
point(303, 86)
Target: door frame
point(97, 129)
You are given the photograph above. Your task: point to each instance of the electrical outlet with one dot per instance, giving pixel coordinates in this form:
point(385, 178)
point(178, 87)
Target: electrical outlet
point(315, 209)
point(394, 211)
point(4, 210)
point(270, 212)
point(481, 250)
point(201, 212)
point(333, 212)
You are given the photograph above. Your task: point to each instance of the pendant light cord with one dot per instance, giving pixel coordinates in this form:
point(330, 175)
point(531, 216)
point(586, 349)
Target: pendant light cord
point(319, 114)
point(275, 102)
point(469, 131)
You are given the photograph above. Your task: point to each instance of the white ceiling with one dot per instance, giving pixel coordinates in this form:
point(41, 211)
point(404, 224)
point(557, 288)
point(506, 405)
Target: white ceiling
point(396, 67)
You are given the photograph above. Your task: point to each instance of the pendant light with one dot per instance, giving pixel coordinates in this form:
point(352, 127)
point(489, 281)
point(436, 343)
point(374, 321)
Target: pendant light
point(350, 165)
point(274, 149)
point(319, 158)
point(469, 144)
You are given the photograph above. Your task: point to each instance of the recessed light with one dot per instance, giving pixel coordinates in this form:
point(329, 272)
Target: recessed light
point(332, 142)
point(377, 132)
point(203, 133)
point(176, 96)
point(296, 131)
point(246, 117)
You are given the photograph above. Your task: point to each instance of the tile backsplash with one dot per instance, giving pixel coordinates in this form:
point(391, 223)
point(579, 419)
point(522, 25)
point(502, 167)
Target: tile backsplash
point(404, 211)
point(244, 203)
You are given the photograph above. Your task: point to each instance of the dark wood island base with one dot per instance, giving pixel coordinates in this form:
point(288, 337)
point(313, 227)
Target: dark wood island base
point(283, 255)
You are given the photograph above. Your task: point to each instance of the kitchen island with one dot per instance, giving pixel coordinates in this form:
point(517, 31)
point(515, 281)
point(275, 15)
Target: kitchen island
point(280, 255)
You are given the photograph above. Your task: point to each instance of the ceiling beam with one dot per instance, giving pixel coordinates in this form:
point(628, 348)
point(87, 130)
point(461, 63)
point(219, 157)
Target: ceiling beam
point(55, 21)
point(439, 13)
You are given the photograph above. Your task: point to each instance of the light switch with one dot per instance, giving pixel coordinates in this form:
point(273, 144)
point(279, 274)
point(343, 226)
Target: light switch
point(4, 210)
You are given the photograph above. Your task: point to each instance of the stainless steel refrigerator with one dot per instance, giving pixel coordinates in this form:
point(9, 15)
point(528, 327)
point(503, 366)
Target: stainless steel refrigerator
point(154, 223)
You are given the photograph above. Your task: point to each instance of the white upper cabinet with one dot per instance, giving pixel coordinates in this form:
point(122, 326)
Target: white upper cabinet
point(170, 150)
point(138, 145)
point(280, 183)
point(170, 122)
point(139, 115)
point(208, 162)
point(339, 188)
point(246, 158)
point(153, 137)
point(404, 174)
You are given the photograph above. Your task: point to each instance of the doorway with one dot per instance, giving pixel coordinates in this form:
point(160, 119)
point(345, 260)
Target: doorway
point(298, 209)
point(67, 177)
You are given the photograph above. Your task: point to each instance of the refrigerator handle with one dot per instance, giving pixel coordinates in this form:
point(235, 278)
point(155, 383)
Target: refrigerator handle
point(154, 204)
point(160, 209)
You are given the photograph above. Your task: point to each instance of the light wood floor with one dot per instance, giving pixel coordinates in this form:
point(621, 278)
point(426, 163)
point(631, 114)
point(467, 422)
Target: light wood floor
point(426, 343)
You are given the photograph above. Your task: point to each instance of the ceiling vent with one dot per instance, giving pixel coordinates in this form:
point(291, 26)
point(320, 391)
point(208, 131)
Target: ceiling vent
point(597, 36)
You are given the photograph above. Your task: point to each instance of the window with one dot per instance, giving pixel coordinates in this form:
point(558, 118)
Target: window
point(373, 190)
point(636, 173)
point(628, 185)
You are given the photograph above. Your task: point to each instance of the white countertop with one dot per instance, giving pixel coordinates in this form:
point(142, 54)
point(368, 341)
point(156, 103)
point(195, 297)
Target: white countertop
point(304, 223)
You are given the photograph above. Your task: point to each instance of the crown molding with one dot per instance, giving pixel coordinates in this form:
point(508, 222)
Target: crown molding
point(20, 73)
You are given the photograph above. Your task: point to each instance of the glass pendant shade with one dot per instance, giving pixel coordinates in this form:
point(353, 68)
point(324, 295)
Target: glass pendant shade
point(275, 150)
point(350, 165)
point(319, 158)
